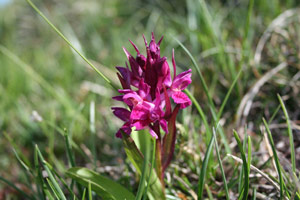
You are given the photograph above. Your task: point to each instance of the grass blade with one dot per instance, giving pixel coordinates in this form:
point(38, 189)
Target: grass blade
point(274, 114)
point(228, 94)
point(204, 168)
point(290, 133)
point(55, 192)
point(93, 133)
point(70, 44)
point(62, 180)
point(211, 103)
point(15, 187)
point(203, 117)
point(254, 194)
point(249, 153)
point(278, 167)
point(201, 113)
point(70, 156)
point(69, 149)
point(90, 191)
point(83, 195)
point(244, 193)
point(221, 166)
point(51, 177)
point(39, 176)
point(246, 32)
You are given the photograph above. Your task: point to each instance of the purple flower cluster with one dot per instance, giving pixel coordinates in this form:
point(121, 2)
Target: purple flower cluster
point(147, 89)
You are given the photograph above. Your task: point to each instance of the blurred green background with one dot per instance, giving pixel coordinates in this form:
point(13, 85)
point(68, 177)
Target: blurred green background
point(41, 77)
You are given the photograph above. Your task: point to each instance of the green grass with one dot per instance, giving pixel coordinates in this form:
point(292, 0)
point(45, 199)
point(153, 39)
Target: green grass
point(62, 69)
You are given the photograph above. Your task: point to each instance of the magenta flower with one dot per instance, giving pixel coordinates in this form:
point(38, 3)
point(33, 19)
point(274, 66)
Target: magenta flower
point(147, 89)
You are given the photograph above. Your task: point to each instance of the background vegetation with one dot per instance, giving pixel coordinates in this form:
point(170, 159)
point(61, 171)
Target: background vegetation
point(47, 90)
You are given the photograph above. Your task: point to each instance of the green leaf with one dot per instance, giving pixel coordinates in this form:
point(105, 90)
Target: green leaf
point(104, 187)
point(137, 159)
point(204, 168)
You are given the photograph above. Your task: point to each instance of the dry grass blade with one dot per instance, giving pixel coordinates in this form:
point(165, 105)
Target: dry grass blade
point(279, 22)
point(246, 103)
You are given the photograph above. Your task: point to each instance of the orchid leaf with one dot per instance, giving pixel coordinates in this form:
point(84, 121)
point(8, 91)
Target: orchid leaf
point(137, 159)
point(104, 187)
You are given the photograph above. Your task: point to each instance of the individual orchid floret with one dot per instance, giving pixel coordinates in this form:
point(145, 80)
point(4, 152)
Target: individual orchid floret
point(180, 82)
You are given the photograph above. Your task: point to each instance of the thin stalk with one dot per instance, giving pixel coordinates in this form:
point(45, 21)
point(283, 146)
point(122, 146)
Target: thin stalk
point(93, 133)
point(227, 95)
point(290, 133)
point(200, 111)
point(71, 157)
point(244, 191)
point(141, 187)
point(90, 191)
point(211, 103)
point(281, 183)
point(274, 114)
point(246, 32)
point(221, 166)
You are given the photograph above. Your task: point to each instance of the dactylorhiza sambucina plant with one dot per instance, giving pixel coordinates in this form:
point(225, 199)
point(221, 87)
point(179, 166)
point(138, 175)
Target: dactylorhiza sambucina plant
point(148, 88)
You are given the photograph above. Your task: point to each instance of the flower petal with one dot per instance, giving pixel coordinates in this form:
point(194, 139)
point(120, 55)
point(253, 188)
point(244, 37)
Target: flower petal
point(125, 128)
point(163, 124)
point(173, 63)
point(141, 111)
point(135, 47)
point(132, 98)
point(141, 124)
point(121, 113)
point(181, 98)
point(153, 134)
point(165, 74)
point(144, 89)
point(118, 98)
point(182, 80)
point(125, 73)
